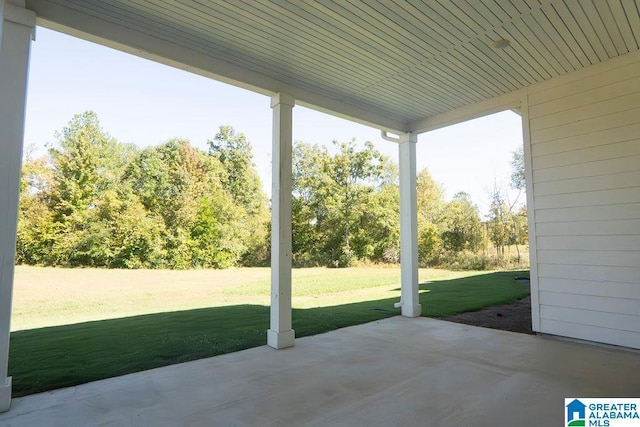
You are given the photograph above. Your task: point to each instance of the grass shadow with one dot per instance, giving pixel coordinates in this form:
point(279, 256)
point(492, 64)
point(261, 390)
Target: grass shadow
point(62, 356)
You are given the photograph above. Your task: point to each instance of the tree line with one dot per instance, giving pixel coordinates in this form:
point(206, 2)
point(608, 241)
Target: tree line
point(93, 201)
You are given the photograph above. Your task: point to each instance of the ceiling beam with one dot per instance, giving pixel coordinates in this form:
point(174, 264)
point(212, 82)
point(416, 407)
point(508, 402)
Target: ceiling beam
point(508, 101)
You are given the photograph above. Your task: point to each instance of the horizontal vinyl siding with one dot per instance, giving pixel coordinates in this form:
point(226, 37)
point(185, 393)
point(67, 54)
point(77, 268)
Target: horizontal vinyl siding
point(589, 287)
point(585, 164)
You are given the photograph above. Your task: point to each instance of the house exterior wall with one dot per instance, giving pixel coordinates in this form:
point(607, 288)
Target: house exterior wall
point(582, 137)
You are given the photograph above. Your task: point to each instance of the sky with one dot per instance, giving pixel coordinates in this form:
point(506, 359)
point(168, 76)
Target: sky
point(146, 103)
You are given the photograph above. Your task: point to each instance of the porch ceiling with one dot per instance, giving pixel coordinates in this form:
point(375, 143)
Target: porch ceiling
point(385, 63)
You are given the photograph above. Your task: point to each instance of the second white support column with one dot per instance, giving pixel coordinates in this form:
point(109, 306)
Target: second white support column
point(409, 301)
point(280, 334)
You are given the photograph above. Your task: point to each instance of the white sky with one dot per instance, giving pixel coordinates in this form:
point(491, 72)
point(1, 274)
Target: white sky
point(147, 103)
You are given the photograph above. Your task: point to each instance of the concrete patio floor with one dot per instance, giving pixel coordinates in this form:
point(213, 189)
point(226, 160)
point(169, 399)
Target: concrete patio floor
point(394, 372)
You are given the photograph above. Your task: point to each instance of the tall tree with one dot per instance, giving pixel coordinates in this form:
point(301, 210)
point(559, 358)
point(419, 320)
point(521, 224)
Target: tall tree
point(430, 203)
point(36, 232)
point(233, 150)
point(182, 185)
point(461, 226)
point(333, 194)
point(86, 163)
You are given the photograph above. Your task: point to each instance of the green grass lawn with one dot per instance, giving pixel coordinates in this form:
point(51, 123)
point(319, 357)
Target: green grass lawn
point(175, 317)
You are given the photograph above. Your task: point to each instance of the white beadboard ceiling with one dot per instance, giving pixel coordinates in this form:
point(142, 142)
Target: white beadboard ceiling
point(389, 63)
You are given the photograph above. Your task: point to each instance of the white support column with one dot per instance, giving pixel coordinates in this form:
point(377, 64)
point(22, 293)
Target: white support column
point(280, 334)
point(409, 301)
point(16, 30)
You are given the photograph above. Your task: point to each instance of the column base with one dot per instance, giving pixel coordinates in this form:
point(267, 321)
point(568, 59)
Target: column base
point(280, 340)
point(5, 395)
point(411, 310)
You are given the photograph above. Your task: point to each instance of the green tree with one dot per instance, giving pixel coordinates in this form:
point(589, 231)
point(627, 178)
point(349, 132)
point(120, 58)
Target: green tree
point(203, 226)
point(333, 197)
point(497, 223)
point(241, 180)
point(36, 232)
point(461, 225)
point(430, 204)
point(86, 164)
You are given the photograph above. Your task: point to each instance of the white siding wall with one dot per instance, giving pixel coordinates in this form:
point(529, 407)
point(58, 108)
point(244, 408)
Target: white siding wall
point(584, 136)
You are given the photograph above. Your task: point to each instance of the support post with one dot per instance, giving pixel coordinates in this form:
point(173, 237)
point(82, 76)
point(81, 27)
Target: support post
point(409, 300)
point(280, 334)
point(16, 30)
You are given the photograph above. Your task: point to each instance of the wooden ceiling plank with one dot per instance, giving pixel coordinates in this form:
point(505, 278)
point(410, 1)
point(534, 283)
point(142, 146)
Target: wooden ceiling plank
point(428, 28)
point(585, 25)
point(388, 80)
point(445, 79)
point(482, 78)
point(576, 31)
point(596, 22)
point(528, 50)
point(543, 54)
point(357, 28)
point(319, 29)
point(494, 63)
point(560, 35)
point(445, 16)
point(451, 66)
point(525, 54)
point(417, 83)
point(504, 10)
point(631, 8)
point(473, 19)
point(398, 31)
point(493, 12)
point(357, 44)
point(567, 36)
point(534, 3)
point(611, 26)
point(408, 24)
point(622, 22)
point(551, 37)
point(206, 48)
point(294, 32)
point(480, 59)
point(450, 36)
point(520, 5)
point(408, 102)
point(295, 60)
point(509, 60)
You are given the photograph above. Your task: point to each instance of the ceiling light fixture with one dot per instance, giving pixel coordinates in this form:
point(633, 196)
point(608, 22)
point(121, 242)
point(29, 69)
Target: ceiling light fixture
point(501, 44)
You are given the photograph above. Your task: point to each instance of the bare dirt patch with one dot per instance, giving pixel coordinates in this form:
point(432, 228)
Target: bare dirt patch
point(514, 317)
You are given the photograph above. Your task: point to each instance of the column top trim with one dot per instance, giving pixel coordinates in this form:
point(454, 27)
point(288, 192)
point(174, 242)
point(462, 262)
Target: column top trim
point(408, 137)
point(282, 98)
point(19, 15)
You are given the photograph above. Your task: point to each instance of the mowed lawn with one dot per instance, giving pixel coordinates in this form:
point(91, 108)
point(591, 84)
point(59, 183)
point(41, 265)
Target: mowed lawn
point(75, 326)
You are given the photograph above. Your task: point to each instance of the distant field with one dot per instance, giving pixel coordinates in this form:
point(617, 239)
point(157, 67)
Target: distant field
point(56, 296)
